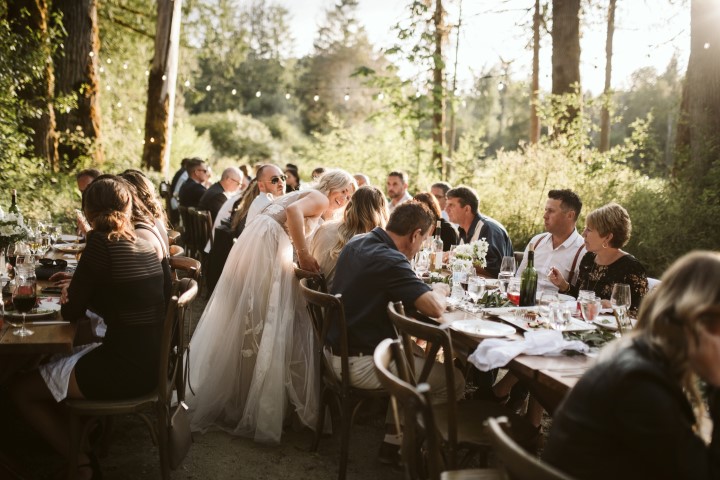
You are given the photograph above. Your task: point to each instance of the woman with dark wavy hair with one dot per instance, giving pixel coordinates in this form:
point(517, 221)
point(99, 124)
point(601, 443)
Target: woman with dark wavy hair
point(639, 408)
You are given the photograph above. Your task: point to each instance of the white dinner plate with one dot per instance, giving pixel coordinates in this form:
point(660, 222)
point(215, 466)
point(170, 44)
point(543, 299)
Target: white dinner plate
point(68, 238)
point(482, 328)
point(575, 324)
point(607, 322)
point(47, 307)
point(69, 247)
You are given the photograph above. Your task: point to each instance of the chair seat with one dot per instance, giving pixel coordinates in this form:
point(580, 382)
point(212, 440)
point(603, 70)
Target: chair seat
point(112, 407)
point(471, 416)
point(473, 474)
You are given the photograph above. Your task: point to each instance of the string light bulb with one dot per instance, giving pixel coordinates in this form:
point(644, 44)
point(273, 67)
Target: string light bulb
point(234, 91)
point(346, 97)
point(316, 97)
point(92, 54)
point(287, 96)
point(164, 77)
point(258, 94)
point(125, 66)
point(381, 96)
point(101, 69)
point(706, 45)
point(208, 88)
point(187, 83)
point(147, 73)
point(109, 61)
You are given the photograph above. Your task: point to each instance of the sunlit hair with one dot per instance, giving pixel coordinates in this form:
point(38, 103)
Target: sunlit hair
point(146, 193)
point(611, 218)
point(334, 181)
point(431, 202)
point(366, 210)
point(671, 313)
point(408, 217)
point(107, 204)
point(465, 196)
point(246, 200)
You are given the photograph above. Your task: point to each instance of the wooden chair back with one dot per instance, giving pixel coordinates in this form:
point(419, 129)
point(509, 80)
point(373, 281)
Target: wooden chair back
point(518, 463)
point(189, 266)
point(316, 280)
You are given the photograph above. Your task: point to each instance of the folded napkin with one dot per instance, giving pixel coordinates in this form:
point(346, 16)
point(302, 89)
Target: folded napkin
point(494, 352)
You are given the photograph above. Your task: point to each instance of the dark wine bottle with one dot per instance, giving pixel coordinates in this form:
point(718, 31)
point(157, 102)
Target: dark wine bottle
point(14, 209)
point(528, 281)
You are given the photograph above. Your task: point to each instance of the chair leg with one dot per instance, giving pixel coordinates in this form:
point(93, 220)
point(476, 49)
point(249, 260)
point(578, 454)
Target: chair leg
point(320, 424)
point(346, 423)
point(162, 443)
point(75, 446)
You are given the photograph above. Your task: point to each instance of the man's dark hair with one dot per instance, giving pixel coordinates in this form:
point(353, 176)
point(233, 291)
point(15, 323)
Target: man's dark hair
point(568, 199)
point(400, 174)
point(291, 166)
point(193, 164)
point(444, 186)
point(408, 217)
point(88, 172)
point(466, 196)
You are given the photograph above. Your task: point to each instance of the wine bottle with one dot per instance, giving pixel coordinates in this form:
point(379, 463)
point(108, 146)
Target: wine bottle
point(528, 281)
point(437, 247)
point(13, 206)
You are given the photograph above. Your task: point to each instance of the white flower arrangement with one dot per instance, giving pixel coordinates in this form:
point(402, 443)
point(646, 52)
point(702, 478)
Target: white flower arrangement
point(12, 229)
point(475, 252)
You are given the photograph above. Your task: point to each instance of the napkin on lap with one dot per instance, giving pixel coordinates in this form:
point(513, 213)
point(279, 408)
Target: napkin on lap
point(494, 353)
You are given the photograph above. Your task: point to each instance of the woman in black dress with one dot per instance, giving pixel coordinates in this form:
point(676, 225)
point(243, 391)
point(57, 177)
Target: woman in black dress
point(120, 278)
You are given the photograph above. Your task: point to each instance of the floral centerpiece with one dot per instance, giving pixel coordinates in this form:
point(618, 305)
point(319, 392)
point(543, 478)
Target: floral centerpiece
point(474, 253)
point(12, 229)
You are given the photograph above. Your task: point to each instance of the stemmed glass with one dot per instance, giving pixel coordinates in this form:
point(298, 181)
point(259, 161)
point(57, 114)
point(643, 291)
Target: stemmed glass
point(547, 297)
point(507, 271)
point(620, 301)
point(24, 296)
point(422, 263)
point(475, 290)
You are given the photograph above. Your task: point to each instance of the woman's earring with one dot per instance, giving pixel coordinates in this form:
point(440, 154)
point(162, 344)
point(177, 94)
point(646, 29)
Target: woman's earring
point(604, 245)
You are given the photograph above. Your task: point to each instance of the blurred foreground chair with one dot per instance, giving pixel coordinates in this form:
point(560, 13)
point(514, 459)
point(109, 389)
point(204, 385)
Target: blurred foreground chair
point(170, 379)
point(173, 236)
point(421, 450)
point(517, 463)
point(176, 251)
point(199, 233)
point(326, 310)
point(459, 422)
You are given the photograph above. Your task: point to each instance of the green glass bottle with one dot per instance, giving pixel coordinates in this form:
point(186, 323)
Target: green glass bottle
point(528, 281)
point(13, 206)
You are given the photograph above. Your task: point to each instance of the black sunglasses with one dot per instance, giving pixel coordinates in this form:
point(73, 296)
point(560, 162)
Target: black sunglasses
point(276, 180)
point(49, 262)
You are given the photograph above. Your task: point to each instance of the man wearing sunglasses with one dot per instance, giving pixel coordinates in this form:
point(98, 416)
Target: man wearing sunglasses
point(271, 183)
point(194, 188)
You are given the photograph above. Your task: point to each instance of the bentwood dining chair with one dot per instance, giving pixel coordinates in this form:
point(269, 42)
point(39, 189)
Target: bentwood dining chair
point(459, 422)
point(199, 231)
point(516, 462)
point(326, 310)
point(170, 379)
point(422, 445)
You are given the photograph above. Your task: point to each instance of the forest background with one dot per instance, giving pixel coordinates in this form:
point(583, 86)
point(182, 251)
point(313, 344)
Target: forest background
point(89, 84)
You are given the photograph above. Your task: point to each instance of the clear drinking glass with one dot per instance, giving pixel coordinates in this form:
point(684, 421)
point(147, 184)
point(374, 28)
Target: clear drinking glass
point(620, 301)
point(547, 297)
point(589, 307)
point(507, 271)
point(24, 295)
point(422, 263)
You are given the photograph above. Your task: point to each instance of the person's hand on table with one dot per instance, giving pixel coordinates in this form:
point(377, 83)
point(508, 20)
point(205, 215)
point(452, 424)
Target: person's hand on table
point(64, 292)
point(60, 277)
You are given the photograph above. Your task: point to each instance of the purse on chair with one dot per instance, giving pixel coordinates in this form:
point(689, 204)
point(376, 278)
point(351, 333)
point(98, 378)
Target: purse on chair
point(179, 436)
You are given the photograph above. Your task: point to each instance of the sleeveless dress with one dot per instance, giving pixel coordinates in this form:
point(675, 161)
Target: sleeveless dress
point(251, 356)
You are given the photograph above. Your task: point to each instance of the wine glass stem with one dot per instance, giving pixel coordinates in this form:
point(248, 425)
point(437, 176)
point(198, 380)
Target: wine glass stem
point(23, 322)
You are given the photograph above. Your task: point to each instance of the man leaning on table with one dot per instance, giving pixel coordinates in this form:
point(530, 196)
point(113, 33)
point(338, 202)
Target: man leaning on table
point(372, 270)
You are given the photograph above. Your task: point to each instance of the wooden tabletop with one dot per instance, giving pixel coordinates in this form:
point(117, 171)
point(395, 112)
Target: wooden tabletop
point(47, 339)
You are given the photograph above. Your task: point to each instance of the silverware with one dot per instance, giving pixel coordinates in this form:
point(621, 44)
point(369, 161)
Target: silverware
point(38, 323)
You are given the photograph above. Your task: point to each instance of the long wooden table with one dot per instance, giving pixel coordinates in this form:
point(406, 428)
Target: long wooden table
point(548, 378)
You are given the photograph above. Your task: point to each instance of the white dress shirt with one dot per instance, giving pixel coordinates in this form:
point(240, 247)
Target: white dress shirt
point(405, 198)
point(561, 258)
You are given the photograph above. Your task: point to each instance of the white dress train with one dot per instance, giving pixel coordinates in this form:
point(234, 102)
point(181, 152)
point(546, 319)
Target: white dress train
point(251, 355)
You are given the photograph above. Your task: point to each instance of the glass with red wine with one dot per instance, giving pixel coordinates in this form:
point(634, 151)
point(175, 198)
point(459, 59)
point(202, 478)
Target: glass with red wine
point(513, 290)
point(24, 295)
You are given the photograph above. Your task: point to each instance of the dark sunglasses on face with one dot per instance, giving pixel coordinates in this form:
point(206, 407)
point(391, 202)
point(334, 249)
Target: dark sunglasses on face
point(49, 262)
point(276, 180)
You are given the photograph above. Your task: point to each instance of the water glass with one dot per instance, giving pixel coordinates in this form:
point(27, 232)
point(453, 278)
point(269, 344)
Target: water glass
point(620, 301)
point(590, 308)
point(507, 271)
point(547, 297)
point(422, 263)
point(476, 287)
point(560, 316)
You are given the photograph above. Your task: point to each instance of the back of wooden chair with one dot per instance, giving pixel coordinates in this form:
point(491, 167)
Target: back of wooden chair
point(176, 251)
point(189, 266)
point(173, 236)
point(518, 464)
point(316, 280)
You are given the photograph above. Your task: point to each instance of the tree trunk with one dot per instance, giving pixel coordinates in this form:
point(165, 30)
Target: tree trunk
point(161, 87)
point(566, 52)
point(699, 124)
point(605, 114)
point(453, 102)
point(438, 97)
point(76, 73)
point(40, 93)
point(535, 86)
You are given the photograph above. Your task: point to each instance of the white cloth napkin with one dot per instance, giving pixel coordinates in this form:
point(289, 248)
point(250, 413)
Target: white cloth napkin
point(494, 352)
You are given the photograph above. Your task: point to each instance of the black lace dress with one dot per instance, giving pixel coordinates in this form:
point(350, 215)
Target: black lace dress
point(601, 278)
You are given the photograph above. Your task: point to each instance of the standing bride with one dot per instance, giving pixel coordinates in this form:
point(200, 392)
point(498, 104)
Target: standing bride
point(251, 355)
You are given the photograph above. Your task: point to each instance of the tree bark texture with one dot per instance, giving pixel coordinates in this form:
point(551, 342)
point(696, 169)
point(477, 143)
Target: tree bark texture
point(535, 83)
point(76, 72)
point(699, 124)
point(566, 53)
point(161, 91)
point(605, 113)
point(438, 131)
point(39, 94)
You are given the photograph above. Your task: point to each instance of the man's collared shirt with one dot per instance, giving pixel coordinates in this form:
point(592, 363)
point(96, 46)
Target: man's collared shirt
point(561, 257)
point(499, 243)
point(405, 198)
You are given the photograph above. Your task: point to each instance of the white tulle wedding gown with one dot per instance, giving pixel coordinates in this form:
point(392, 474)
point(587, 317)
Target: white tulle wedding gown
point(251, 356)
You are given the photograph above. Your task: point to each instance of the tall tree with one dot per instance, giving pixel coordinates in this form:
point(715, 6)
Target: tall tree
point(535, 82)
point(76, 74)
point(700, 109)
point(566, 50)
point(161, 87)
point(605, 114)
point(29, 18)
point(438, 92)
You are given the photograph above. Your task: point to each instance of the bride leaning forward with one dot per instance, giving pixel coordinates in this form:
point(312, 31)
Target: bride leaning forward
point(252, 352)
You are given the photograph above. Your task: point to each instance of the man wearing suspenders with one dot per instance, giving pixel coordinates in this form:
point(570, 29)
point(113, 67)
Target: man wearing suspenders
point(561, 245)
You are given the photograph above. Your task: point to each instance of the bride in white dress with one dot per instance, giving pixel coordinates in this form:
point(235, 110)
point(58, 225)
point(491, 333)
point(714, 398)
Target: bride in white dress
point(251, 355)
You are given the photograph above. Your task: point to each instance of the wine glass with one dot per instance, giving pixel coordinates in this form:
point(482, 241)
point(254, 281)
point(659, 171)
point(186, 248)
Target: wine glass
point(24, 296)
point(620, 301)
point(422, 263)
point(507, 271)
point(513, 290)
point(547, 297)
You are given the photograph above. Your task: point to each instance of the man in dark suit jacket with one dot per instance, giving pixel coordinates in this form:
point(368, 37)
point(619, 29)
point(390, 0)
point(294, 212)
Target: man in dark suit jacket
point(219, 192)
point(193, 189)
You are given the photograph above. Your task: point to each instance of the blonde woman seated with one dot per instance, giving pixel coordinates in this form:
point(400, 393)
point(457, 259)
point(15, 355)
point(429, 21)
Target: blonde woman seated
point(366, 210)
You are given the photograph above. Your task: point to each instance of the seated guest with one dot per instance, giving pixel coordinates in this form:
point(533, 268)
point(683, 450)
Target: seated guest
point(462, 208)
point(397, 189)
point(293, 180)
point(366, 210)
point(607, 230)
point(144, 224)
point(561, 246)
point(372, 270)
point(86, 177)
point(316, 173)
point(218, 193)
point(448, 235)
point(121, 278)
point(362, 179)
point(439, 191)
point(194, 187)
point(149, 197)
point(637, 412)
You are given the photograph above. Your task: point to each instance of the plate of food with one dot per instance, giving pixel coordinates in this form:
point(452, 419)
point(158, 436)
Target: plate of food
point(69, 247)
point(482, 328)
point(527, 318)
point(44, 308)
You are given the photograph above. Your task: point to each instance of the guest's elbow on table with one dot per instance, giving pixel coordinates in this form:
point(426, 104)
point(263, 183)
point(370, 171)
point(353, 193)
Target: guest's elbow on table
point(431, 303)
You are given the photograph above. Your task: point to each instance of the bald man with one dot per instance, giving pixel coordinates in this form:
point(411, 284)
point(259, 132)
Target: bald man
point(218, 193)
